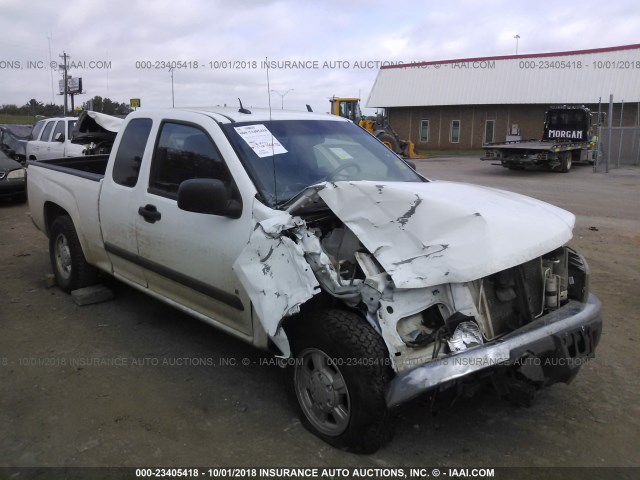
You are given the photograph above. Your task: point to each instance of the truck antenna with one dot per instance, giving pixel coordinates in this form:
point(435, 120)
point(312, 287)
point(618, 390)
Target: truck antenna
point(273, 154)
point(242, 109)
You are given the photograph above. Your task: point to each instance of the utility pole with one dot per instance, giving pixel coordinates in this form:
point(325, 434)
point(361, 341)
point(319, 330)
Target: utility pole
point(517, 37)
point(64, 56)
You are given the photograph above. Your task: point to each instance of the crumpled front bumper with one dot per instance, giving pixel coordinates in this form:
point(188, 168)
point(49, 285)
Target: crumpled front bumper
point(562, 337)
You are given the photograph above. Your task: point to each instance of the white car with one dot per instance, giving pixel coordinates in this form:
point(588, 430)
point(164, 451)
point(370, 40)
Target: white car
point(51, 138)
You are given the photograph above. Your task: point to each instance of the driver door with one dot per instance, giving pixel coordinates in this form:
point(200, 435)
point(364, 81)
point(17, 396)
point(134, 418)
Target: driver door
point(188, 256)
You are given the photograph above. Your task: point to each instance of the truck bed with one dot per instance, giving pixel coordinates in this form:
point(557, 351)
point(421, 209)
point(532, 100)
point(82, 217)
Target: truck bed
point(91, 167)
point(540, 145)
point(71, 184)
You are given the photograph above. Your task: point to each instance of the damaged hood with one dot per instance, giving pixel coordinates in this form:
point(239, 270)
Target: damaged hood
point(108, 122)
point(431, 233)
point(95, 127)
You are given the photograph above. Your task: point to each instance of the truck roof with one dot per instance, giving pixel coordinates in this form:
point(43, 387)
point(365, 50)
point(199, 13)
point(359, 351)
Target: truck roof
point(233, 115)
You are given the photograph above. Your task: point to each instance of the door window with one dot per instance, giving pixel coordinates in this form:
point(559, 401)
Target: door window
point(72, 124)
point(184, 152)
point(59, 129)
point(126, 166)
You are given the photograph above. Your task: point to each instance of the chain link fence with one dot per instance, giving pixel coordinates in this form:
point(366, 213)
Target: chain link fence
point(617, 146)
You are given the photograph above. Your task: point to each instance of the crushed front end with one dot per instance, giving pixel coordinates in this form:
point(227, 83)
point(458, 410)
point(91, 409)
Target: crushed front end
point(528, 326)
point(459, 281)
point(533, 324)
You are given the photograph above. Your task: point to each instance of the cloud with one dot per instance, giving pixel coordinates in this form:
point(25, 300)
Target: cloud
point(230, 41)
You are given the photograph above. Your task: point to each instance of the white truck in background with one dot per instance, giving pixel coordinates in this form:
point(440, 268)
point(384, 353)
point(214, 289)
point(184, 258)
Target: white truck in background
point(51, 138)
point(305, 236)
point(90, 133)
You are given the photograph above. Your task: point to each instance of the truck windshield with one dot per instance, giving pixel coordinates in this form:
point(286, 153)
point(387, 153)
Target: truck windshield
point(566, 124)
point(567, 119)
point(283, 157)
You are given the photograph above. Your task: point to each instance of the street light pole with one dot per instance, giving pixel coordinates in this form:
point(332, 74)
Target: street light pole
point(517, 37)
point(173, 103)
point(282, 95)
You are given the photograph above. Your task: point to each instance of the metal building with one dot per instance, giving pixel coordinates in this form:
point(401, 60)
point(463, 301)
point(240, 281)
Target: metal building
point(464, 103)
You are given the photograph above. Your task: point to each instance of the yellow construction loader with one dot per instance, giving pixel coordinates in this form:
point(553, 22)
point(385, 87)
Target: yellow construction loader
point(380, 128)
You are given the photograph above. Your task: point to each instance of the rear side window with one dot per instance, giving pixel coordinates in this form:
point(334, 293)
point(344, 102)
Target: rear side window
point(59, 129)
point(46, 133)
point(126, 166)
point(184, 152)
point(37, 129)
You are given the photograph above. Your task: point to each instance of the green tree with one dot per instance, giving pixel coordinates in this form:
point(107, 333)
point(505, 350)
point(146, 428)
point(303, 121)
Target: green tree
point(10, 110)
point(33, 106)
point(52, 110)
point(107, 106)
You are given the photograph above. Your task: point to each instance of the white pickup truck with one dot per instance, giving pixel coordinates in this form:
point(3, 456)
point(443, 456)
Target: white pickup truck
point(304, 235)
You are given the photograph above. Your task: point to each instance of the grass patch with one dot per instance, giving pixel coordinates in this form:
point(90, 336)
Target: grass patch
point(17, 119)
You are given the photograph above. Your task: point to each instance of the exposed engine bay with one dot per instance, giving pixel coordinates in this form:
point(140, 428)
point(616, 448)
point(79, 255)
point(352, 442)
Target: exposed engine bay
point(426, 324)
point(97, 131)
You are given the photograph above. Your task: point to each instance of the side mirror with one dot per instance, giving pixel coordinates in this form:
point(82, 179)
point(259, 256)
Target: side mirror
point(58, 137)
point(208, 196)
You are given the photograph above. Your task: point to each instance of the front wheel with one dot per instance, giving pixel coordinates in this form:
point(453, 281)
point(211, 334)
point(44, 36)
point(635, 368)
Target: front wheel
point(389, 140)
point(67, 260)
point(342, 366)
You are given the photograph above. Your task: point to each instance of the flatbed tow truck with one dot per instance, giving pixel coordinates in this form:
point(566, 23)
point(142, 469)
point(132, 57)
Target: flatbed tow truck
point(570, 136)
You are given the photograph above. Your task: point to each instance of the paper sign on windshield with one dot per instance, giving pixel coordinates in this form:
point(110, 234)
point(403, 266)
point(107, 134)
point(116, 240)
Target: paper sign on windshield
point(341, 153)
point(261, 140)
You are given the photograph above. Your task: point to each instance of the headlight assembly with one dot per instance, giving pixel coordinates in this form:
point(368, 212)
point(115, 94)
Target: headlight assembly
point(16, 174)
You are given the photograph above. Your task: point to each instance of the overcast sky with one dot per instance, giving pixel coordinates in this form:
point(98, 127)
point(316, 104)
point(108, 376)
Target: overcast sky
point(110, 43)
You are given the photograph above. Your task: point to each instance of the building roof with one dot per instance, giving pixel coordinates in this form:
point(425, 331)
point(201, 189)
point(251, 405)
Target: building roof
point(581, 76)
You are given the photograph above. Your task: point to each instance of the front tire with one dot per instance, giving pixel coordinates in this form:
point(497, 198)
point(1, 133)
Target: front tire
point(67, 259)
point(342, 367)
point(389, 140)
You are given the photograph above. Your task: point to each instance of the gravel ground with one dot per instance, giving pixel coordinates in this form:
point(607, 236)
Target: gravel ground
point(62, 405)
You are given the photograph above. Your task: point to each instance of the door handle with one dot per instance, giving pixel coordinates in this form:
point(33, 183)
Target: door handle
point(150, 213)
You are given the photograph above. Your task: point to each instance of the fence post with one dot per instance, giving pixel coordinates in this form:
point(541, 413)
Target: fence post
point(621, 132)
point(610, 128)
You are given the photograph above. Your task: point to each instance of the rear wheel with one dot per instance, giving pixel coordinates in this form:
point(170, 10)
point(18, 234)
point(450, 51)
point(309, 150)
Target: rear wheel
point(339, 378)
point(565, 162)
point(67, 260)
